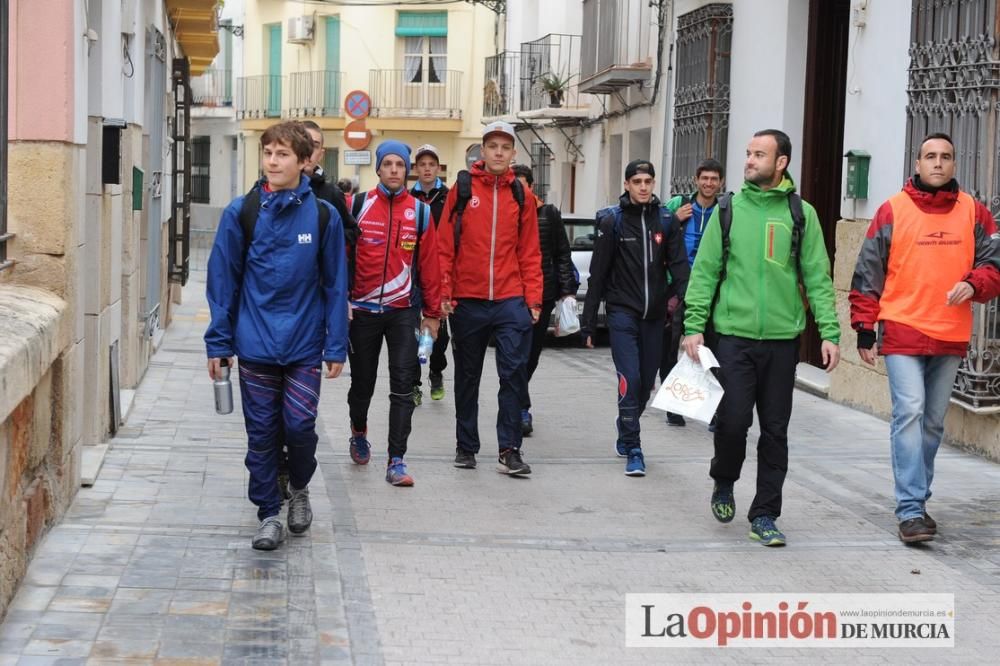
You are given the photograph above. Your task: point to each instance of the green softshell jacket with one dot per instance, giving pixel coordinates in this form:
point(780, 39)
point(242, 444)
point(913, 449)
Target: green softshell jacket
point(760, 297)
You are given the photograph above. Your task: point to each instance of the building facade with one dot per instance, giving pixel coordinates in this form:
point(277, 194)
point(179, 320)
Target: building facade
point(677, 81)
point(92, 234)
point(419, 65)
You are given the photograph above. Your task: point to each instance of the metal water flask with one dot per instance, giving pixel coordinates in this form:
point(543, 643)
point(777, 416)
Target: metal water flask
point(223, 390)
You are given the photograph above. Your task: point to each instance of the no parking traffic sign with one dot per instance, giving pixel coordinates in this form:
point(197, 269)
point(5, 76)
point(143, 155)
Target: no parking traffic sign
point(357, 104)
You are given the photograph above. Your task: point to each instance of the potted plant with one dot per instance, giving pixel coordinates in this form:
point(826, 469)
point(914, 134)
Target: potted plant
point(555, 85)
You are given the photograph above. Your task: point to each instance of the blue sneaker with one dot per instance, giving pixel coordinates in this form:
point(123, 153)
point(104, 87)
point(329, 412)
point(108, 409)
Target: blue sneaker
point(764, 530)
point(396, 474)
point(635, 466)
point(621, 449)
point(526, 427)
point(361, 449)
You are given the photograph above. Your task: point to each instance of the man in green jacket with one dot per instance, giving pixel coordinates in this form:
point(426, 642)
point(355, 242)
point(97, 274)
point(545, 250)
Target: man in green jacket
point(756, 307)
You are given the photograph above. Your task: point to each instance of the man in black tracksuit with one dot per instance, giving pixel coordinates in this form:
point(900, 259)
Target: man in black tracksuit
point(637, 244)
point(558, 278)
point(430, 189)
point(321, 187)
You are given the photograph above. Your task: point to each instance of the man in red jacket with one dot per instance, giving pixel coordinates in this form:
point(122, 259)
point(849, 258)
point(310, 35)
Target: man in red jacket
point(491, 284)
point(929, 251)
point(395, 271)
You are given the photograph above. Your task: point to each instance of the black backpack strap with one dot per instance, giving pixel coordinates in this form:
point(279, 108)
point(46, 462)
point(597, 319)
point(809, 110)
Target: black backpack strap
point(464, 186)
point(798, 229)
point(726, 223)
point(324, 217)
point(248, 217)
point(518, 190)
point(357, 203)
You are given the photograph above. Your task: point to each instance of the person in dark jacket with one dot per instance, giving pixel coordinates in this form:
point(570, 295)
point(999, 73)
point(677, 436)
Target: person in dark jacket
point(430, 189)
point(278, 301)
point(323, 188)
point(558, 278)
point(636, 245)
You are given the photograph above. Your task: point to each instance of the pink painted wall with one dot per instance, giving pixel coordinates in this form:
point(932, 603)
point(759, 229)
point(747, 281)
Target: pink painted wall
point(41, 70)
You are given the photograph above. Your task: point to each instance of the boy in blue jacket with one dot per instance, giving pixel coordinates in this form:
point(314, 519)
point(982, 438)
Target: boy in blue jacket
point(277, 291)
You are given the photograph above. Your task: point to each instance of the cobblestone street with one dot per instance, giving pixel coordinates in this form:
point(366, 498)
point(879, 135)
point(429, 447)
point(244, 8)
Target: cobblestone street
point(153, 563)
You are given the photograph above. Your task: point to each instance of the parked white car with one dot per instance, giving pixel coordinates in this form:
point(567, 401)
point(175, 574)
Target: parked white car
point(581, 230)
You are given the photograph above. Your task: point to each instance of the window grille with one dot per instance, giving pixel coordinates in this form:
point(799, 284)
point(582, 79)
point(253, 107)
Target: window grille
point(701, 94)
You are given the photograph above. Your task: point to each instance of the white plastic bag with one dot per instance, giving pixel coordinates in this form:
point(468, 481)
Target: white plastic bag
point(691, 389)
point(567, 322)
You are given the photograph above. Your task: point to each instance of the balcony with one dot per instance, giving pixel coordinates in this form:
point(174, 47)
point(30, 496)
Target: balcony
point(395, 95)
point(550, 72)
point(213, 88)
point(258, 97)
point(503, 84)
point(621, 31)
point(317, 94)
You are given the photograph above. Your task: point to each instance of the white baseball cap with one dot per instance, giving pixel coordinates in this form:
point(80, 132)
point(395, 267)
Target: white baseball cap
point(425, 150)
point(499, 127)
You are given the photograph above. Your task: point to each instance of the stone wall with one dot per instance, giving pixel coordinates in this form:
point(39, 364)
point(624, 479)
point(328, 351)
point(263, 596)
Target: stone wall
point(39, 451)
point(867, 389)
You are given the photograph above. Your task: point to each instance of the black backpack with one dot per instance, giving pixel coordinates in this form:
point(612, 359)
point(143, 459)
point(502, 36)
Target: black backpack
point(463, 185)
point(251, 208)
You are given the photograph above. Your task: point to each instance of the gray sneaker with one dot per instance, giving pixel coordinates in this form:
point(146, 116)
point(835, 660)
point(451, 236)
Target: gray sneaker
point(269, 535)
point(300, 514)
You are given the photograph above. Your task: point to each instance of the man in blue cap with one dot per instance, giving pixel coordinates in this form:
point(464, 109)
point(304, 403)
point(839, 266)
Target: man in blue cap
point(394, 266)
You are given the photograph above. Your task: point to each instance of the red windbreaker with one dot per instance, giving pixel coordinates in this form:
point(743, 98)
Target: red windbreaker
point(387, 240)
point(873, 270)
point(499, 255)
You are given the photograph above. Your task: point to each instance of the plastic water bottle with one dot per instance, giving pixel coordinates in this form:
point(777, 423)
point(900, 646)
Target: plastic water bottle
point(425, 343)
point(223, 390)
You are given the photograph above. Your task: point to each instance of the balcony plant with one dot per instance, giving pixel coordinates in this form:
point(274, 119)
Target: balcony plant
point(555, 85)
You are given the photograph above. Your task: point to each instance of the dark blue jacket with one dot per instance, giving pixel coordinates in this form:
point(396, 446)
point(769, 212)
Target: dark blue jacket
point(285, 302)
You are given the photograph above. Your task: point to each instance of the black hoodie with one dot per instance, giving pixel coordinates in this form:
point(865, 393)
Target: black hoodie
point(629, 266)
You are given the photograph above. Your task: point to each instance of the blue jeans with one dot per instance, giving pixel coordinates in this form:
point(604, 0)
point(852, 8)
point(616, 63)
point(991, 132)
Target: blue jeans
point(920, 387)
point(636, 345)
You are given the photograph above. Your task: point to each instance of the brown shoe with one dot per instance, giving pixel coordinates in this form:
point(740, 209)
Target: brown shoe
point(914, 530)
point(930, 523)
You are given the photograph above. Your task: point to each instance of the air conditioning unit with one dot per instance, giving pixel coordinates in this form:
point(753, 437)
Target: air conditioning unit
point(301, 29)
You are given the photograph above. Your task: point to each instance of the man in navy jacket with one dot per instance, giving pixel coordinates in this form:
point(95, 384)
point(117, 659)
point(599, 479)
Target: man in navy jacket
point(277, 291)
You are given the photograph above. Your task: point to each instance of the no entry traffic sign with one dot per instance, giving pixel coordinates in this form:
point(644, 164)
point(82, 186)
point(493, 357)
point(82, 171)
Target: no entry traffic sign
point(357, 104)
point(356, 135)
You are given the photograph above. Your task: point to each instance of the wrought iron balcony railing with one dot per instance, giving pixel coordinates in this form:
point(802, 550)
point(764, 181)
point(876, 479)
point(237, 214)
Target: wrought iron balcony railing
point(315, 94)
point(214, 87)
point(550, 72)
point(503, 84)
point(259, 96)
point(395, 94)
point(618, 34)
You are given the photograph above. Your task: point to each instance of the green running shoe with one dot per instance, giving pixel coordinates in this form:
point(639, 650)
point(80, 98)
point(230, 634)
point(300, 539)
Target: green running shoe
point(723, 503)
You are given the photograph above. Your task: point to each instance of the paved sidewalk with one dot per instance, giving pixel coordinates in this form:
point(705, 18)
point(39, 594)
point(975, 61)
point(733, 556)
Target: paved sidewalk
point(153, 563)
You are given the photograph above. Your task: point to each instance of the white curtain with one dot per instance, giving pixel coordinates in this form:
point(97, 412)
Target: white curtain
point(413, 55)
point(439, 60)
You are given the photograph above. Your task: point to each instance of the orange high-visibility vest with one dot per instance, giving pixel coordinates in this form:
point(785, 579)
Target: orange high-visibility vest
point(930, 252)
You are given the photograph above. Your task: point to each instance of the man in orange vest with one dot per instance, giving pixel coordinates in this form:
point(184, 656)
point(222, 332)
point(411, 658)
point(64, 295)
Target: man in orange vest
point(930, 250)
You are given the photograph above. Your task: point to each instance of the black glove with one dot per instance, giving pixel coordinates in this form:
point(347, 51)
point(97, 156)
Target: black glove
point(866, 339)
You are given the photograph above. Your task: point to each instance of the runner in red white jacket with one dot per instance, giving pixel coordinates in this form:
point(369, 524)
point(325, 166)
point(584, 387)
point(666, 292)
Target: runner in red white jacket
point(395, 271)
point(491, 286)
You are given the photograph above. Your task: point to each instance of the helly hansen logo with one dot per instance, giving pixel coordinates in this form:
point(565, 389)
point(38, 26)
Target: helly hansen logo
point(939, 238)
point(305, 239)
